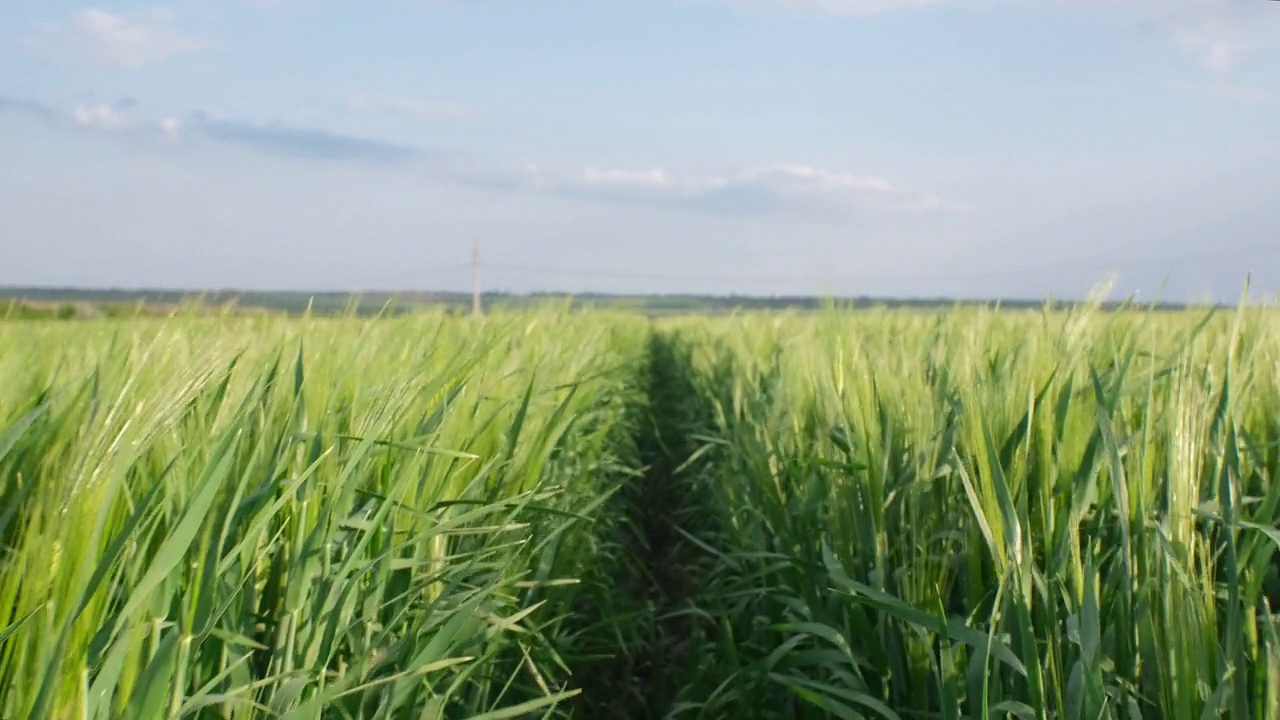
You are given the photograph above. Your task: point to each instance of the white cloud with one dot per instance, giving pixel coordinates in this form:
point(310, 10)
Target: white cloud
point(655, 178)
point(785, 178)
point(1245, 94)
point(1219, 41)
point(415, 107)
point(1216, 34)
point(101, 117)
point(171, 129)
point(113, 118)
point(127, 40)
point(751, 189)
point(803, 178)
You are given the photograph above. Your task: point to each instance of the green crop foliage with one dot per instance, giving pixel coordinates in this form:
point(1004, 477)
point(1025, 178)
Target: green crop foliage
point(244, 518)
point(983, 514)
point(1067, 515)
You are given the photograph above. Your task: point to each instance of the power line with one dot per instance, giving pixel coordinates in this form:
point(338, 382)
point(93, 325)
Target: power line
point(1041, 268)
point(516, 269)
point(544, 270)
point(412, 274)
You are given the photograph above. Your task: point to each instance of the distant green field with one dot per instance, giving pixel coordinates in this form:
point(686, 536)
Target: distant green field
point(74, 303)
point(884, 514)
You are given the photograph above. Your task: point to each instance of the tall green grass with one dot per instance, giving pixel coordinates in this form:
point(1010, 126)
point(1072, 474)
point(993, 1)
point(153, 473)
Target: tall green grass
point(244, 518)
point(983, 514)
point(970, 514)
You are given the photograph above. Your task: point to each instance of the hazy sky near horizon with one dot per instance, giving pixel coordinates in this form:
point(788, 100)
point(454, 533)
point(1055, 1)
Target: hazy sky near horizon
point(1012, 148)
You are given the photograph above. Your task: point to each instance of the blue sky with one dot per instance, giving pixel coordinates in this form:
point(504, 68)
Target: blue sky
point(888, 147)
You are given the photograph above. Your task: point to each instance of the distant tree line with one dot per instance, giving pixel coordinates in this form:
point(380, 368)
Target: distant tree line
point(77, 303)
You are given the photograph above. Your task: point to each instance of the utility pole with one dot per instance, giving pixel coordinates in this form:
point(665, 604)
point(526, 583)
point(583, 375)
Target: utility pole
point(475, 279)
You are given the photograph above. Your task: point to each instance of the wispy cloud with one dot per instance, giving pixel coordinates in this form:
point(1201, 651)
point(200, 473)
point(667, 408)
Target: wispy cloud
point(749, 191)
point(1244, 94)
point(29, 108)
point(1220, 40)
point(132, 40)
point(268, 139)
point(413, 107)
point(1215, 34)
point(103, 117)
point(301, 143)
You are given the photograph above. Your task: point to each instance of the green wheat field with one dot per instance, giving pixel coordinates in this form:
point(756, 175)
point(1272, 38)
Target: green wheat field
point(972, 513)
